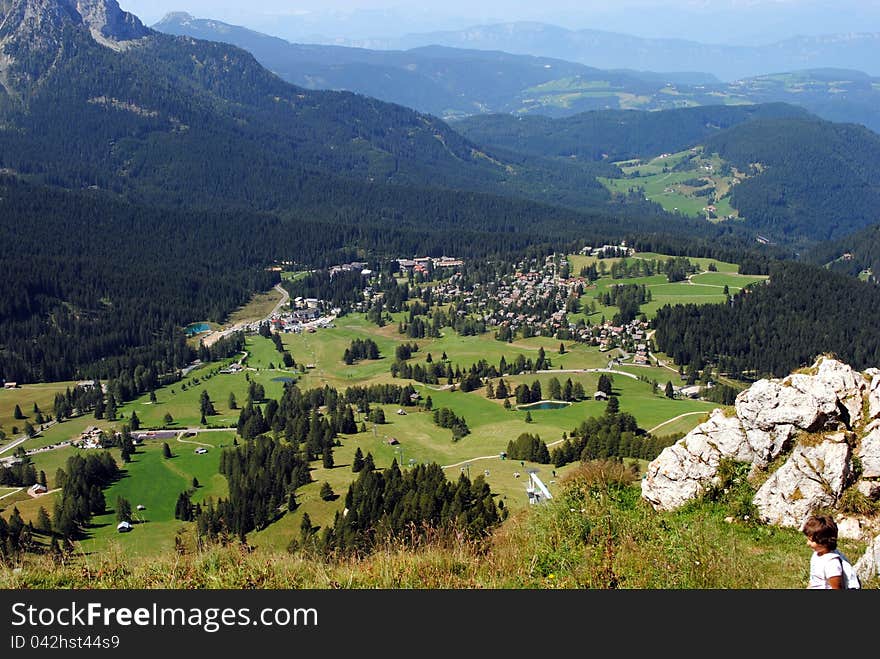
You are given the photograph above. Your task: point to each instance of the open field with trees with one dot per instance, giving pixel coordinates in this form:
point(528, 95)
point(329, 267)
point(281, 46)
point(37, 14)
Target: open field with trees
point(406, 434)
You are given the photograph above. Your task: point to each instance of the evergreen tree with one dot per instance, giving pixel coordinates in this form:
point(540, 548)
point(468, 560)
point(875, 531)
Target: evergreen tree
point(327, 458)
point(358, 462)
point(134, 421)
point(44, 524)
point(326, 492)
point(668, 390)
point(168, 419)
point(166, 450)
point(123, 510)
point(232, 403)
point(613, 406)
point(16, 414)
point(305, 529)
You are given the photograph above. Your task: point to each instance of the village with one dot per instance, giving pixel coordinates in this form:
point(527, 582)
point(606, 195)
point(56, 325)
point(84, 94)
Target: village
point(535, 300)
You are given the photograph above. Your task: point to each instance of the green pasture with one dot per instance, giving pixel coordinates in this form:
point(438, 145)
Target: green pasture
point(25, 396)
point(155, 482)
point(703, 288)
point(184, 406)
point(734, 282)
point(67, 430)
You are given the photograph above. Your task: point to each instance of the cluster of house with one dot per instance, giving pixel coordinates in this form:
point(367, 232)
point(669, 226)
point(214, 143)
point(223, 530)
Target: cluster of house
point(91, 437)
point(426, 265)
point(608, 250)
point(306, 314)
point(354, 266)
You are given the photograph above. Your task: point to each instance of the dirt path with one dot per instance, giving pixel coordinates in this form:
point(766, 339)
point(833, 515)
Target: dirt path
point(675, 418)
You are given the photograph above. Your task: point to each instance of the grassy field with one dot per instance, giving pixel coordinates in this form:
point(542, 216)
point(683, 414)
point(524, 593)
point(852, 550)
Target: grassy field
point(676, 191)
point(155, 483)
point(259, 307)
point(706, 287)
point(25, 396)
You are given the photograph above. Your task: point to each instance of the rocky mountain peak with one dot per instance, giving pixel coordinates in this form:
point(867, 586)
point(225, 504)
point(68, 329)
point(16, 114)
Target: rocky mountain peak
point(38, 24)
point(36, 35)
point(107, 22)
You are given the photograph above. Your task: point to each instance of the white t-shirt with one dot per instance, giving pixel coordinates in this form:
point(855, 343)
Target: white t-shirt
point(824, 567)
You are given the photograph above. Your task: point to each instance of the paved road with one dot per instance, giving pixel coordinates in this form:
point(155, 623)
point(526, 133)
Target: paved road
point(285, 298)
point(11, 445)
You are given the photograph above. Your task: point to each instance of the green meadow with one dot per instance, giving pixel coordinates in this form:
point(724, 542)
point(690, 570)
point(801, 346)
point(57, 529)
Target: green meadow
point(155, 482)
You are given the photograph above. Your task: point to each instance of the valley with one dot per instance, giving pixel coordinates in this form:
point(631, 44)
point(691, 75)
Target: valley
point(407, 433)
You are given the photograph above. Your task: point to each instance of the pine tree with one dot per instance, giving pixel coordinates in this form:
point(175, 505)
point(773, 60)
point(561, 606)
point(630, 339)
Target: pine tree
point(669, 391)
point(16, 414)
point(528, 417)
point(123, 510)
point(44, 524)
point(166, 450)
point(168, 419)
point(232, 403)
point(134, 421)
point(326, 492)
point(327, 458)
point(305, 528)
point(357, 464)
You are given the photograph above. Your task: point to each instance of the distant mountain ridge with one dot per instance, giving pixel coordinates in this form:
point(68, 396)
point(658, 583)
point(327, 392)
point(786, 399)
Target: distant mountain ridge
point(453, 82)
point(603, 49)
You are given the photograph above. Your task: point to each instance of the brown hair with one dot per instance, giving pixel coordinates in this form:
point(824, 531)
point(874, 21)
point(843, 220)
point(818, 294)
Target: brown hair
point(822, 530)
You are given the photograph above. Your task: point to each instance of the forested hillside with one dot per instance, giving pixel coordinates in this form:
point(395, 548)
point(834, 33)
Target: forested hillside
point(777, 327)
point(611, 135)
point(857, 254)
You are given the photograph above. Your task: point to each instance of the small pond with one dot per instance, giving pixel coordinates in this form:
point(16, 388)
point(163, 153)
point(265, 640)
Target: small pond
point(544, 405)
point(196, 328)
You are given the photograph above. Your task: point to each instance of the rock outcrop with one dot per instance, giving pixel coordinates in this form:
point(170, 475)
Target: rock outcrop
point(816, 431)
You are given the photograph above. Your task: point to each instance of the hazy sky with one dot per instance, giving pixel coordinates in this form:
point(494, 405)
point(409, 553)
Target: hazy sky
point(710, 21)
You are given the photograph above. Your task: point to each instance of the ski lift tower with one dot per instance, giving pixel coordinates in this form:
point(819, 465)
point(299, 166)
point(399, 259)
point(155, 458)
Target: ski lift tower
point(537, 491)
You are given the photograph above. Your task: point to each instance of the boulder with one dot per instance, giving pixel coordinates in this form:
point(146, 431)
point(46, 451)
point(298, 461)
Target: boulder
point(868, 566)
point(813, 477)
point(869, 452)
point(682, 471)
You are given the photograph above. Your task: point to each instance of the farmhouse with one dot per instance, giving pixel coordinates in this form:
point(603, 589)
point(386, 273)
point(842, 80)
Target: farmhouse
point(37, 489)
point(10, 385)
point(600, 395)
point(123, 527)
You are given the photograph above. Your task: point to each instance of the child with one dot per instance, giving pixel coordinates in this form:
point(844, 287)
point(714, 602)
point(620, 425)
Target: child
point(826, 569)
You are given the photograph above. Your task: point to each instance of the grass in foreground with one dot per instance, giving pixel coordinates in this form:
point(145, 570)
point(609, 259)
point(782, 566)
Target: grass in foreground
point(598, 534)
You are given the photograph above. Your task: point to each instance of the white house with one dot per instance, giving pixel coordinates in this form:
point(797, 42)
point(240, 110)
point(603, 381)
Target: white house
point(37, 489)
point(123, 527)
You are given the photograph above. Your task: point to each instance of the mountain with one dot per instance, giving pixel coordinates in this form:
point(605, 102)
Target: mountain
point(181, 120)
point(609, 50)
point(455, 82)
point(614, 134)
point(112, 130)
point(807, 180)
point(446, 82)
